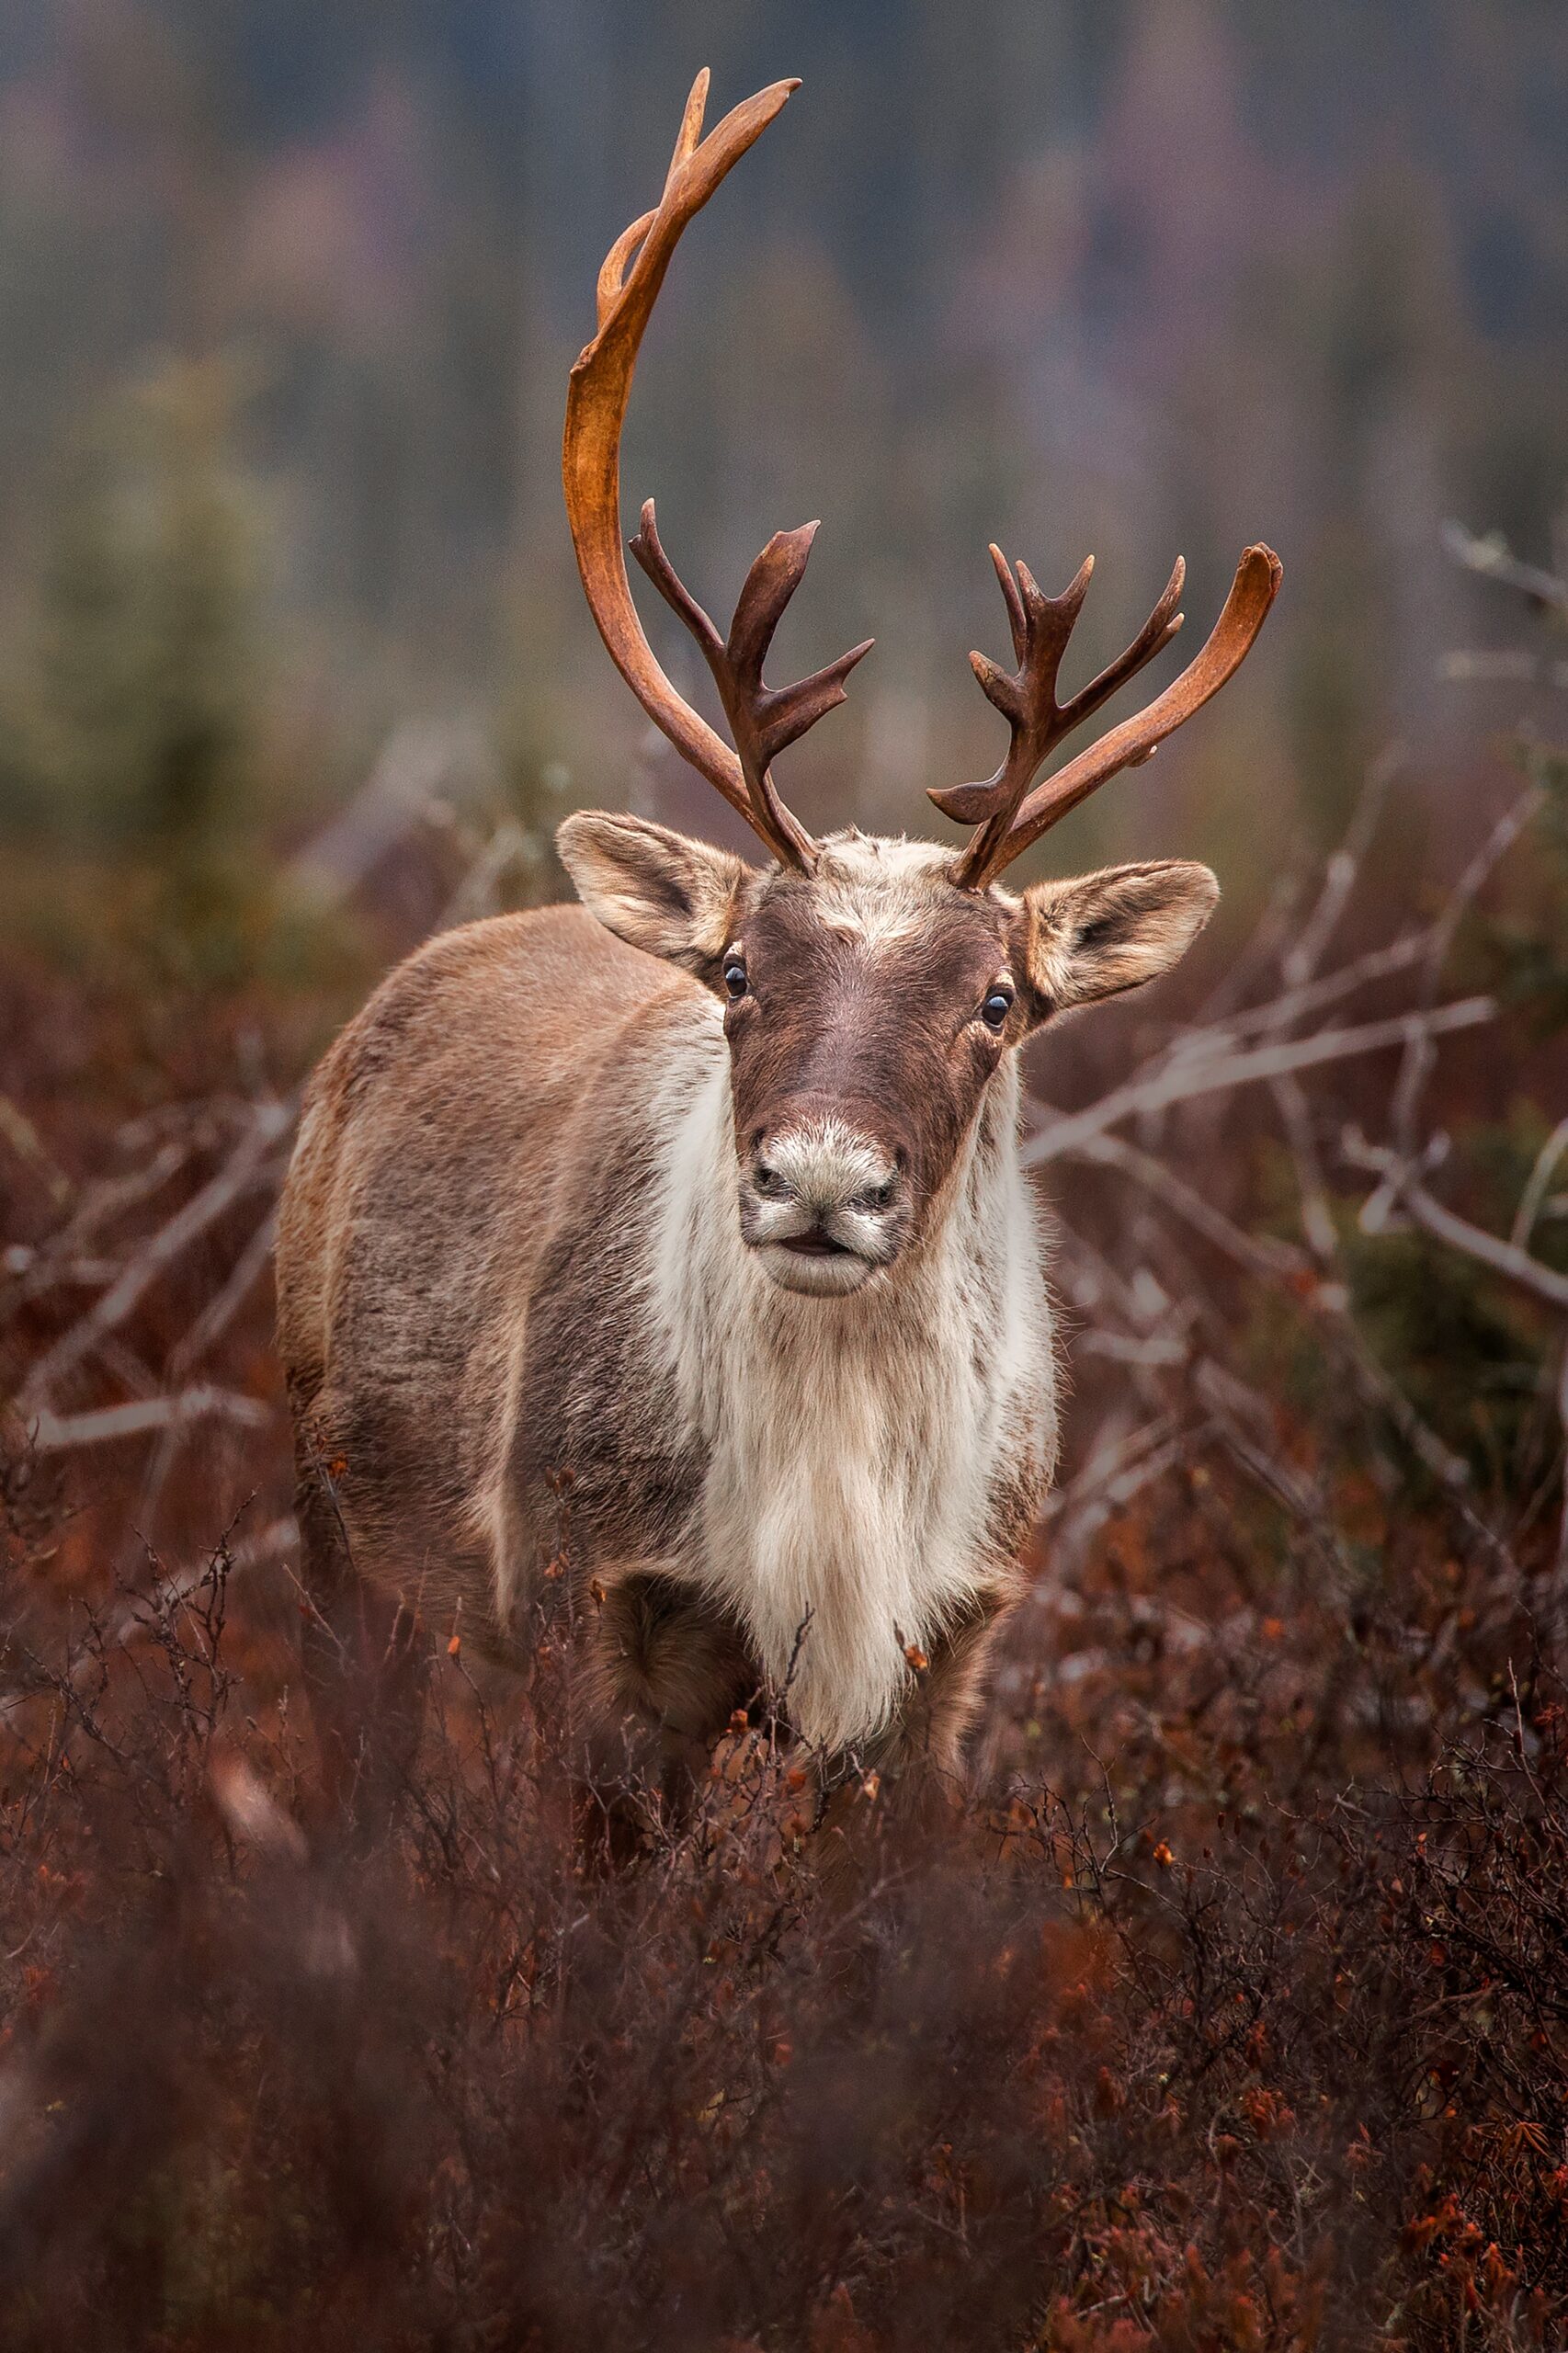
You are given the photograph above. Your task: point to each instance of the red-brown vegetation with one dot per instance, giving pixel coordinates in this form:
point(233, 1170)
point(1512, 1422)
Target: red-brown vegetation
point(1233, 2014)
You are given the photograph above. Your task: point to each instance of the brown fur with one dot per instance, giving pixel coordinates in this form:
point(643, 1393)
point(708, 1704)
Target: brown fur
point(467, 1357)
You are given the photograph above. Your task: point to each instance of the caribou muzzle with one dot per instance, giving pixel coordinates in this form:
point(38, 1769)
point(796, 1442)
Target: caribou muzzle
point(824, 1202)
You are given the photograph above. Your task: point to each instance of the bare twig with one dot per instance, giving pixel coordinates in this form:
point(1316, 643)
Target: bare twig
point(246, 1167)
point(1403, 1179)
point(1208, 1073)
point(1300, 962)
point(1259, 1254)
point(60, 1433)
point(1419, 1057)
point(1532, 1199)
point(1299, 969)
point(420, 760)
point(1326, 1303)
point(1495, 560)
point(18, 1132)
point(478, 893)
point(226, 1303)
point(60, 1262)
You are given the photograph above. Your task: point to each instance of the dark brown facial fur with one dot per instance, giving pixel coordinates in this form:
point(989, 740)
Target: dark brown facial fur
point(882, 1031)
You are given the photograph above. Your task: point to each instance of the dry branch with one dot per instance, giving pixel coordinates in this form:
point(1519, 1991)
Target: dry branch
point(54, 1433)
point(1401, 1181)
point(249, 1167)
point(1495, 560)
point(1205, 1072)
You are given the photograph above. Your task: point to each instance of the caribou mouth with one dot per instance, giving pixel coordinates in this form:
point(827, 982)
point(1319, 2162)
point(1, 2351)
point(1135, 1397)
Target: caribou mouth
point(814, 1263)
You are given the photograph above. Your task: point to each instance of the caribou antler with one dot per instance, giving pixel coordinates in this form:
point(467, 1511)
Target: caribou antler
point(764, 719)
point(1007, 816)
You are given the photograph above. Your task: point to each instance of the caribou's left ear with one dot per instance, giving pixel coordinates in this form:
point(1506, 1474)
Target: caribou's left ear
point(1100, 934)
point(660, 891)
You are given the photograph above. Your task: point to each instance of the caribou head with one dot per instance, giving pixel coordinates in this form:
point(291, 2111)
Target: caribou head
point(871, 989)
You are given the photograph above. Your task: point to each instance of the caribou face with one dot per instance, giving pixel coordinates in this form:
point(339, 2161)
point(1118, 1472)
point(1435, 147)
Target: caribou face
point(867, 1007)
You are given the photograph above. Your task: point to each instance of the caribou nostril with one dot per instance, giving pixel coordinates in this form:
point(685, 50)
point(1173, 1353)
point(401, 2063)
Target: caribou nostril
point(767, 1180)
point(877, 1197)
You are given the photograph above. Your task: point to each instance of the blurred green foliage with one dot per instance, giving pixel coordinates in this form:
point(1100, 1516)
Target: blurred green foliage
point(1471, 1360)
point(134, 721)
point(132, 711)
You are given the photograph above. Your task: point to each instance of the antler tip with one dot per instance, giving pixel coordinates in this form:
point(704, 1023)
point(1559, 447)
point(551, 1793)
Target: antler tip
point(691, 130)
point(967, 804)
point(770, 103)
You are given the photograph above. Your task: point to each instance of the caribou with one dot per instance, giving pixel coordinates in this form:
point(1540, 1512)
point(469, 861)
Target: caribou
point(674, 1245)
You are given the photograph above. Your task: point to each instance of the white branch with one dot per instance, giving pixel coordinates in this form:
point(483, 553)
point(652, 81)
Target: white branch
point(1214, 1074)
point(1495, 560)
point(59, 1433)
point(1532, 1199)
point(246, 1167)
point(1403, 1184)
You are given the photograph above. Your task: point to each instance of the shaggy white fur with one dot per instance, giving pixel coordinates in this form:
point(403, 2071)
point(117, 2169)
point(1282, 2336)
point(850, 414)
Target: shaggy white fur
point(854, 1443)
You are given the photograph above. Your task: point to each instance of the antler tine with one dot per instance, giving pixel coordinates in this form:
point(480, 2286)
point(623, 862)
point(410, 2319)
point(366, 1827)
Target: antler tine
point(1252, 591)
point(649, 550)
point(1153, 638)
point(780, 715)
point(763, 720)
point(1042, 627)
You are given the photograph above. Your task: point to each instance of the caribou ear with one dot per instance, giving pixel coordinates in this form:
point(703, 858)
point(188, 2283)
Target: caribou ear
point(677, 898)
point(1100, 934)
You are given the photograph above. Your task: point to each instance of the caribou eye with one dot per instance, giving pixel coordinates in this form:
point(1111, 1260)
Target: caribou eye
point(995, 1009)
point(735, 979)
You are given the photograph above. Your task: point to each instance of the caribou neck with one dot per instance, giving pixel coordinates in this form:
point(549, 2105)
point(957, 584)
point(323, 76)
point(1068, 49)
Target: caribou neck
point(854, 1444)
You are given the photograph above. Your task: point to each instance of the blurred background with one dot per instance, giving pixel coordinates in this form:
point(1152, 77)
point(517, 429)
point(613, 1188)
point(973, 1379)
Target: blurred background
point(290, 288)
point(1248, 2026)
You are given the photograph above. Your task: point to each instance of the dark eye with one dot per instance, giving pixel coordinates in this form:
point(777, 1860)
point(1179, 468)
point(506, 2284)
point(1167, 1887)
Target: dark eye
point(735, 979)
point(995, 1009)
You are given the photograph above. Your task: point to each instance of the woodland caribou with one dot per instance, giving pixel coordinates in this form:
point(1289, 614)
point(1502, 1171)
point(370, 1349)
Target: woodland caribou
point(693, 1215)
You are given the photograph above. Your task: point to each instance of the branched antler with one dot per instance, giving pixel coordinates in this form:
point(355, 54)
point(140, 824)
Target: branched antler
point(1041, 626)
point(1009, 811)
point(1007, 816)
point(764, 719)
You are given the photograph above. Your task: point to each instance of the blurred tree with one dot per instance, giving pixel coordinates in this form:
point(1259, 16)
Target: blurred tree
point(1078, 273)
point(137, 714)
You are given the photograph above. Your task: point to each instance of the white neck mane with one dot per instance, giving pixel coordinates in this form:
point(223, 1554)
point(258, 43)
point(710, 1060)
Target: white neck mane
point(853, 1443)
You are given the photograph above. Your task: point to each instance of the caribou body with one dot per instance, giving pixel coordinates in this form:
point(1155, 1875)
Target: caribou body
point(681, 1237)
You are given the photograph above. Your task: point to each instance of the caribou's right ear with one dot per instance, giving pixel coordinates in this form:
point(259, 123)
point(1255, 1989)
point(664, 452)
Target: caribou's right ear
point(677, 898)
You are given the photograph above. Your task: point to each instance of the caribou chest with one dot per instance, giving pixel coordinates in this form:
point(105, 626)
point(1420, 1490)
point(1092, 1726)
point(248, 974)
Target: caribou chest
point(853, 1448)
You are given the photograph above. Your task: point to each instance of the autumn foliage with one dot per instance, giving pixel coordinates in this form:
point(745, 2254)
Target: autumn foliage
point(1231, 2014)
